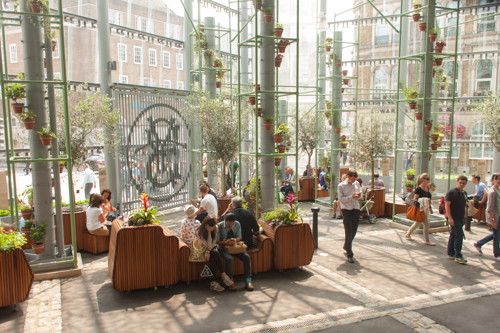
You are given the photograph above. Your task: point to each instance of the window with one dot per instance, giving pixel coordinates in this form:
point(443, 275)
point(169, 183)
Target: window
point(122, 52)
point(180, 85)
point(166, 59)
point(487, 23)
point(55, 53)
point(380, 83)
point(115, 17)
point(57, 75)
point(179, 61)
point(147, 81)
point(455, 152)
point(137, 55)
point(451, 21)
point(143, 24)
point(152, 57)
point(13, 53)
point(124, 79)
point(484, 74)
point(448, 71)
point(480, 150)
point(167, 84)
point(381, 35)
point(394, 82)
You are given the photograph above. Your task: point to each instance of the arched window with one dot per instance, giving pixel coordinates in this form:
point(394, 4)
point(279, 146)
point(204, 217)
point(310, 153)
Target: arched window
point(480, 150)
point(488, 22)
point(484, 75)
point(380, 83)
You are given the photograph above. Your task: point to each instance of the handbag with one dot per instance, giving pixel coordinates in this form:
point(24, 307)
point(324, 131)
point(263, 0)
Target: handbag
point(239, 247)
point(415, 214)
point(197, 253)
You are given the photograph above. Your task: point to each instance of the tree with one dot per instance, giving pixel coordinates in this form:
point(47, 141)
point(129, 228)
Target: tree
point(372, 140)
point(490, 111)
point(89, 113)
point(308, 135)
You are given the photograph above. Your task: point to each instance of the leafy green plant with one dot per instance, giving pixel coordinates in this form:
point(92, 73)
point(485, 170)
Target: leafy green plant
point(409, 182)
point(15, 91)
point(489, 108)
point(434, 30)
point(218, 62)
point(252, 187)
point(269, 119)
point(46, 132)
point(4, 212)
point(268, 10)
point(282, 130)
point(410, 172)
point(286, 214)
point(82, 202)
point(144, 215)
point(28, 223)
point(24, 207)
point(209, 53)
point(27, 115)
point(410, 93)
point(37, 234)
point(11, 239)
point(279, 26)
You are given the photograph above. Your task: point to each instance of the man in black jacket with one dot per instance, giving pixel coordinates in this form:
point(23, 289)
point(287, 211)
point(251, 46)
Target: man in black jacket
point(246, 219)
point(455, 204)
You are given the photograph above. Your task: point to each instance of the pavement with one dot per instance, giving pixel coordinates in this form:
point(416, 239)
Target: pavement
point(395, 285)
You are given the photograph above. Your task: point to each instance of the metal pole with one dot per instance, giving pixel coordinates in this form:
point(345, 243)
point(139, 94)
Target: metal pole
point(244, 73)
point(188, 29)
point(336, 113)
point(103, 40)
point(315, 211)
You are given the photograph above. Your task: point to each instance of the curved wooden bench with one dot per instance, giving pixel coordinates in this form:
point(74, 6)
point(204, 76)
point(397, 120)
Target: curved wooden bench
point(16, 277)
point(261, 257)
point(142, 257)
point(481, 214)
point(293, 244)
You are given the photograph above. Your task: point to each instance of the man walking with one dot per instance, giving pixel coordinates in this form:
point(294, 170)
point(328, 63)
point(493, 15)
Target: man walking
point(455, 204)
point(89, 181)
point(349, 193)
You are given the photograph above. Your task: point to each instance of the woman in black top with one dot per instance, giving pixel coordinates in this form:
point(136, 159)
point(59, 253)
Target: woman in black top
point(422, 191)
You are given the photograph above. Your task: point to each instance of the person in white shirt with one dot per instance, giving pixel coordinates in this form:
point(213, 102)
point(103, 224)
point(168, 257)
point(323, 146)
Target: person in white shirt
point(96, 219)
point(89, 181)
point(189, 225)
point(349, 193)
point(208, 203)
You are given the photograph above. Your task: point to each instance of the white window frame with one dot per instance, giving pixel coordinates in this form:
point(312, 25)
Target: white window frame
point(166, 56)
point(123, 79)
point(138, 55)
point(487, 79)
point(379, 94)
point(180, 85)
point(167, 84)
point(13, 54)
point(115, 17)
point(382, 29)
point(143, 24)
point(179, 61)
point(147, 81)
point(482, 136)
point(153, 62)
point(455, 152)
point(122, 52)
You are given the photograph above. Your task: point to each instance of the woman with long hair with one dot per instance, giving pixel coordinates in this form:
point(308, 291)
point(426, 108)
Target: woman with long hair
point(207, 235)
point(422, 199)
point(96, 219)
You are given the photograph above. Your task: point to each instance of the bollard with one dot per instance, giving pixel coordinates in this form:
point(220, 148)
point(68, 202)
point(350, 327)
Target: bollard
point(315, 211)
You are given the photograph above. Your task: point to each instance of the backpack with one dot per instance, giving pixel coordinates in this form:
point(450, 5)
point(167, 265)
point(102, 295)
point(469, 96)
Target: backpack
point(441, 206)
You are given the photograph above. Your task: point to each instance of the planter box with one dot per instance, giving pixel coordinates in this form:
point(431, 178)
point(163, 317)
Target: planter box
point(378, 201)
point(16, 277)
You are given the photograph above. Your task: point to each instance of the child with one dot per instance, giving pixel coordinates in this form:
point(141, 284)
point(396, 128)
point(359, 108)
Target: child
point(189, 225)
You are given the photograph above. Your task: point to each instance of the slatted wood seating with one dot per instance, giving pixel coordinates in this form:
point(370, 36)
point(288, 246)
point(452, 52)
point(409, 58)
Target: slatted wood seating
point(481, 214)
point(142, 257)
point(261, 257)
point(293, 244)
point(16, 277)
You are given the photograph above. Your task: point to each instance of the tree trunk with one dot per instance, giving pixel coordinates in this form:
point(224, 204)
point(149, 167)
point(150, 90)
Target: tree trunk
point(373, 172)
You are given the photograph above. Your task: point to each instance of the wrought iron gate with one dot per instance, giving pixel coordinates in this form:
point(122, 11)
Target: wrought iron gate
point(154, 152)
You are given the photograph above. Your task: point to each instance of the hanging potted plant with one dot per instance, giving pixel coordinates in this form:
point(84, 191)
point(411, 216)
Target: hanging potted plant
point(37, 236)
point(281, 148)
point(252, 99)
point(25, 210)
point(218, 63)
point(345, 82)
point(209, 53)
point(438, 47)
point(437, 70)
point(344, 72)
point(218, 83)
point(337, 130)
point(46, 136)
point(418, 115)
point(343, 137)
point(328, 44)
point(410, 94)
point(36, 6)
point(343, 144)
point(278, 30)
point(433, 34)
point(277, 60)
point(257, 4)
point(428, 124)
point(277, 161)
point(459, 131)
point(435, 136)
point(328, 106)
point(268, 123)
point(434, 145)
point(28, 119)
point(268, 15)
point(410, 174)
point(53, 40)
point(338, 61)
point(409, 185)
point(328, 115)
point(282, 44)
point(258, 112)
point(281, 132)
point(416, 15)
point(417, 4)
point(201, 42)
point(15, 91)
point(61, 167)
point(438, 61)
point(422, 25)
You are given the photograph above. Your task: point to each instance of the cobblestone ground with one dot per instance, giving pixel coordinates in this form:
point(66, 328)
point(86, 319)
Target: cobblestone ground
point(394, 286)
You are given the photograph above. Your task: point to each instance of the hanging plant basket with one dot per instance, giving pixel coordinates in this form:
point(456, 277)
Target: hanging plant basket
point(416, 17)
point(434, 146)
point(61, 168)
point(268, 125)
point(29, 123)
point(422, 26)
point(432, 37)
point(278, 138)
point(418, 115)
point(435, 137)
point(35, 6)
point(278, 32)
point(410, 177)
point(17, 107)
point(27, 214)
point(277, 60)
point(428, 126)
point(38, 248)
point(443, 87)
point(330, 122)
point(344, 72)
point(328, 46)
point(218, 84)
point(281, 149)
point(277, 161)
point(251, 100)
point(438, 48)
point(412, 105)
point(259, 112)
point(337, 130)
point(46, 139)
point(438, 61)
point(338, 63)
point(268, 17)
point(345, 81)
point(343, 145)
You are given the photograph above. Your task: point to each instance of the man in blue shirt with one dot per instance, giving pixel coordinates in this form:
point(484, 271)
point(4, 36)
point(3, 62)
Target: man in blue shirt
point(322, 181)
point(479, 198)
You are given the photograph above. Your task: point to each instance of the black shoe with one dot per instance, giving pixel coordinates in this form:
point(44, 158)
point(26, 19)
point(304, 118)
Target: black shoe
point(350, 259)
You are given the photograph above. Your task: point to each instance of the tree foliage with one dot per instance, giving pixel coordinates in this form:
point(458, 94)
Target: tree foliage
point(89, 114)
point(490, 110)
point(372, 140)
point(308, 135)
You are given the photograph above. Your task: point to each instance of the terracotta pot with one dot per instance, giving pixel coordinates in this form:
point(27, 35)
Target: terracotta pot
point(35, 6)
point(418, 115)
point(278, 32)
point(343, 138)
point(328, 48)
point(434, 146)
point(343, 145)
point(61, 168)
point(282, 49)
point(345, 81)
point(268, 17)
point(281, 149)
point(259, 112)
point(434, 138)
point(412, 105)
point(432, 37)
point(45, 139)
point(277, 62)
point(17, 107)
point(278, 138)
point(338, 63)
point(54, 45)
point(330, 122)
point(344, 72)
point(442, 87)
point(277, 161)
point(251, 100)
point(27, 214)
point(342, 90)
point(438, 49)
point(438, 61)
point(268, 125)
point(422, 26)
point(218, 84)
point(337, 130)
point(410, 177)
point(38, 248)
point(29, 123)
point(409, 189)
point(416, 17)
point(428, 127)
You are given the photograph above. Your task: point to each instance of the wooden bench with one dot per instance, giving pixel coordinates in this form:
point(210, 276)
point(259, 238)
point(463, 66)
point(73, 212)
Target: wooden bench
point(84, 240)
point(142, 257)
point(261, 257)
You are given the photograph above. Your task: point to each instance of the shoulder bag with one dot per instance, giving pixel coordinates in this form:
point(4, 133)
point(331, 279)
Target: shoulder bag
point(415, 214)
point(197, 251)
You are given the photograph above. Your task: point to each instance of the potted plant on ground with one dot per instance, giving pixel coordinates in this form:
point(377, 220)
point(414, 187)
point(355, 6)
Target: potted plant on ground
point(410, 174)
point(46, 136)
point(278, 30)
point(278, 59)
point(144, 215)
point(409, 184)
point(438, 47)
point(433, 34)
point(280, 133)
point(411, 95)
point(25, 210)
point(268, 15)
point(268, 123)
point(28, 119)
point(37, 236)
point(16, 91)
